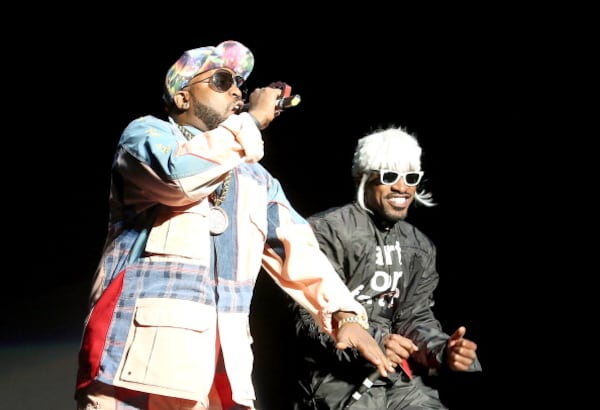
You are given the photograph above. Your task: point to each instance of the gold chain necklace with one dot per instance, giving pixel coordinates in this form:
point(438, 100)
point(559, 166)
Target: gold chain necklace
point(216, 200)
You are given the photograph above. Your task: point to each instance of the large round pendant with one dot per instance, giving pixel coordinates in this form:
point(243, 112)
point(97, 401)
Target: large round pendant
point(217, 220)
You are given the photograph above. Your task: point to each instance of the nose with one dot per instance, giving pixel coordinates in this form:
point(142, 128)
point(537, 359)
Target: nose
point(237, 91)
point(400, 185)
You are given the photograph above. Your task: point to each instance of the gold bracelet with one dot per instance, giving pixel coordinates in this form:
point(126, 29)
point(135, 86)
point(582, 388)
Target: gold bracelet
point(354, 319)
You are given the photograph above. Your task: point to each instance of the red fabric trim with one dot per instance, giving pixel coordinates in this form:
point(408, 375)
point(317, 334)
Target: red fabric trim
point(94, 337)
point(224, 390)
point(406, 367)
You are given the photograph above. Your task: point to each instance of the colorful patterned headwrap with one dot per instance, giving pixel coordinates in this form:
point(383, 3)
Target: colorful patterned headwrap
point(228, 54)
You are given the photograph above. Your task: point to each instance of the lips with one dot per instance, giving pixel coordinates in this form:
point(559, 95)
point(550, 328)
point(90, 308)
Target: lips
point(238, 107)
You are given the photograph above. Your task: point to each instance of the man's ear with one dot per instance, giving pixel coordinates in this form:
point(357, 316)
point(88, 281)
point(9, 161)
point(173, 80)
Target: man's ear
point(181, 101)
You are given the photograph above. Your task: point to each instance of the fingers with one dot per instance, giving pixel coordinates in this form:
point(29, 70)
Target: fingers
point(356, 336)
point(263, 105)
point(459, 333)
point(378, 359)
point(461, 354)
point(461, 361)
point(456, 337)
point(376, 356)
point(399, 347)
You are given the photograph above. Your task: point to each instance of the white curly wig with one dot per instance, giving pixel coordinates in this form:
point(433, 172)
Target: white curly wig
point(392, 149)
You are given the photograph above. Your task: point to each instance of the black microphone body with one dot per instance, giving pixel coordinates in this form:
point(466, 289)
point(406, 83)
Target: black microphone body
point(281, 104)
point(366, 385)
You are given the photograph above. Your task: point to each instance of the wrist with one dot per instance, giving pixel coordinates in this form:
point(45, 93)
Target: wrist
point(255, 120)
point(346, 319)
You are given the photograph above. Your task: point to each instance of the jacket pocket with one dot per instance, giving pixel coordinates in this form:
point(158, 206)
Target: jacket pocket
point(170, 348)
point(182, 233)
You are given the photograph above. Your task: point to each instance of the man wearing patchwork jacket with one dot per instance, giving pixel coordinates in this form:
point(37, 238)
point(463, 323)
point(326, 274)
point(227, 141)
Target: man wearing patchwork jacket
point(193, 218)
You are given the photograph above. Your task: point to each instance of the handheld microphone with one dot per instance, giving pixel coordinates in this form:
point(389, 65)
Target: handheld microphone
point(366, 385)
point(370, 379)
point(281, 104)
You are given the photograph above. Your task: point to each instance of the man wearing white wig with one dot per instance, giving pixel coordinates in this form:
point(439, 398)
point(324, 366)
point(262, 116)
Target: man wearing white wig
point(390, 268)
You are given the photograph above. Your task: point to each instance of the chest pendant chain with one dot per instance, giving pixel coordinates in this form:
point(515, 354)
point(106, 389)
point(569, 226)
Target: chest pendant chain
point(217, 218)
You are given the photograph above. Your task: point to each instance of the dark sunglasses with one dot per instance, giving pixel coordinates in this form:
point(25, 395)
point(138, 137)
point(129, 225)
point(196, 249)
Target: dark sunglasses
point(387, 177)
point(222, 80)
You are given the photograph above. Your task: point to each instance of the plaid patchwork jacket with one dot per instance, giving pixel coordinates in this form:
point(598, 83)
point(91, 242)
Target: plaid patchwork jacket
point(167, 293)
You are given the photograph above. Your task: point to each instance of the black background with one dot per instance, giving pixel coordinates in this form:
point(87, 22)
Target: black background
point(467, 88)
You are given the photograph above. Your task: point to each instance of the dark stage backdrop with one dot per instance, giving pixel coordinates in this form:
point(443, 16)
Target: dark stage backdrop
point(463, 87)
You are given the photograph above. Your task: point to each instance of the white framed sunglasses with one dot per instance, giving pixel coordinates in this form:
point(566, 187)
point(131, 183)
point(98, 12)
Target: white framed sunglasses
point(389, 177)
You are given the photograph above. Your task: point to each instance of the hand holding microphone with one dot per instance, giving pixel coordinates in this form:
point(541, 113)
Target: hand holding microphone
point(281, 104)
point(265, 112)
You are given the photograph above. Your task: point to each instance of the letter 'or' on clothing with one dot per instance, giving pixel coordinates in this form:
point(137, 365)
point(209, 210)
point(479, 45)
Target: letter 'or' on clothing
point(166, 289)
